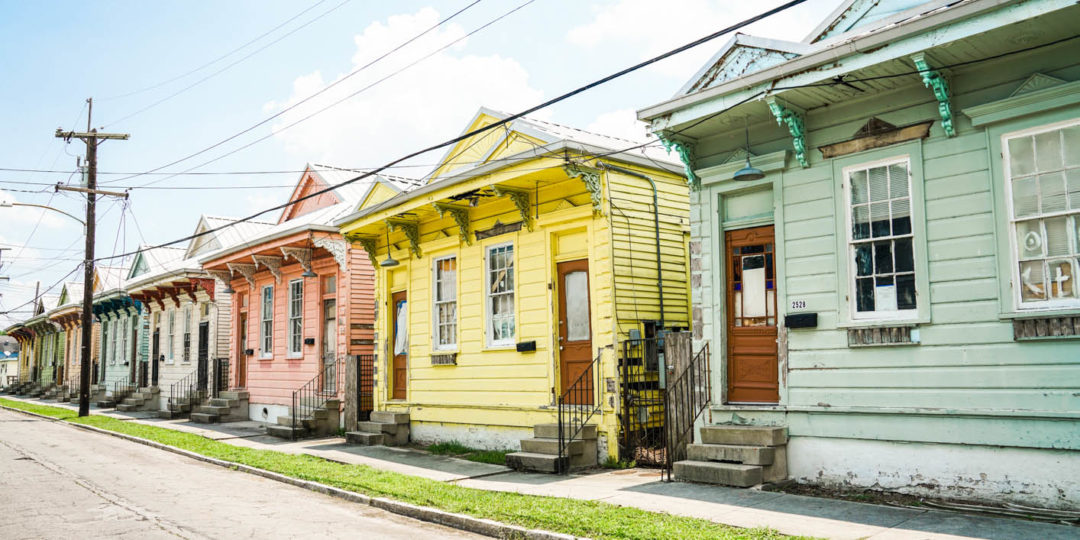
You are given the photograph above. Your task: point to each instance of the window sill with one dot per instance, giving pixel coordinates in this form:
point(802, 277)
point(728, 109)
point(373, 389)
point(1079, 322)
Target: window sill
point(883, 323)
point(501, 347)
point(294, 357)
point(1040, 313)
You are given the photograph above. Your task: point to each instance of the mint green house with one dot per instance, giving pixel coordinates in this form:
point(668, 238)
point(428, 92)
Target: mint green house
point(886, 248)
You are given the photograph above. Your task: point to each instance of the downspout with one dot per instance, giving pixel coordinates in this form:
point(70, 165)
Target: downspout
point(656, 229)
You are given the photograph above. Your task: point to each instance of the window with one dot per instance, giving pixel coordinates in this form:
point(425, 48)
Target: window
point(187, 334)
point(1042, 170)
point(445, 308)
point(204, 310)
point(881, 240)
point(172, 337)
point(330, 285)
point(266, 328)
point(121, 353)
point(500, 294)
point(112, 341)
point(296, 316)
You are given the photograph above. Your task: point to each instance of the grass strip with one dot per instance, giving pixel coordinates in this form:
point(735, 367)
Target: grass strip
point(570, 516)
point(456, 449)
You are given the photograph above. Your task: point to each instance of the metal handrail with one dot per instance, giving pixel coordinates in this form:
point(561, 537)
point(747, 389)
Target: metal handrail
point(575, 410)
point(314, 394)
point(182, 389)
point(122, 389)
point(687, 396)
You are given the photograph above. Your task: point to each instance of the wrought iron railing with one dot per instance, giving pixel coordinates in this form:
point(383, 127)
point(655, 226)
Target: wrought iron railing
point(144, 374)
point(314, 395)
point(220, 378)
point(365, 386)
point(122, 389)
point(641, 389)
point(577, 405)
point(183, 390)
point(687, 396)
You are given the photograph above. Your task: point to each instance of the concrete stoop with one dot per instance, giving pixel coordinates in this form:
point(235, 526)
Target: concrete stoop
point(321, 422)
point(229, 406)
point(144, 399)
point(738, 456)
point(541, 452)
point(385, 428)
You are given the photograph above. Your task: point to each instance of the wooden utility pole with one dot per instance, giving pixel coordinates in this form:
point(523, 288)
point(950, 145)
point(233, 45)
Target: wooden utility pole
point(92, 139)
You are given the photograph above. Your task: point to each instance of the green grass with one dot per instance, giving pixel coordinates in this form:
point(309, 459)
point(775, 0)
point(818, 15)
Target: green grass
point(456, 449)
point(571, 516)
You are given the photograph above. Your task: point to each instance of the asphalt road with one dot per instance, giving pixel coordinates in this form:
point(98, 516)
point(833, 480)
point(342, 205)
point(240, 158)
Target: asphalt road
point(58, 481)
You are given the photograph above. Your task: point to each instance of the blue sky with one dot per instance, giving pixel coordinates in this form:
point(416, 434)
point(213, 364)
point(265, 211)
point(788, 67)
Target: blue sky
point(53, 55)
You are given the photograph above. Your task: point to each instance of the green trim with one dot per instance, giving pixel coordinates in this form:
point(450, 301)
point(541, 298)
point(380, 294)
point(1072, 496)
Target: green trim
point(461, 218)
point(685, 150)
point(1037, 101)
point(520, 198)
point(369, 243)
point(412, 233)
point(786, 113)
point(934, 80)
point(591, 179)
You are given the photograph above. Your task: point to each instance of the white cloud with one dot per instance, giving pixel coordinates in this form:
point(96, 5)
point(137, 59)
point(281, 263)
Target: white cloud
point(620, 123)
point(420, 106)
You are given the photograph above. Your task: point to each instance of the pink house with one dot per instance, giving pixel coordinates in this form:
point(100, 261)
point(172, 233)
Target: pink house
point(303, 301)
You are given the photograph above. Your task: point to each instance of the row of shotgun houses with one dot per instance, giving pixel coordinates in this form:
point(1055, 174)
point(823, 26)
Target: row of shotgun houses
point(854, 265)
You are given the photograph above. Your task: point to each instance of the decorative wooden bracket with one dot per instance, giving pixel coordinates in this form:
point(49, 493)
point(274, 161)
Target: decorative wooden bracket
point(156, 296)
point(337, 247)
point(520, 198)
point(224, 275)
point(188, 288)
point(369, 243)
point(461, 217)
point(206, 285)
point(244, 269)
point(685, 150)
point(591, 179)
point(171, 293)
point(411, 229)
point(302, 256)
point(272, 263)
point(792, 116)
point(934, 80)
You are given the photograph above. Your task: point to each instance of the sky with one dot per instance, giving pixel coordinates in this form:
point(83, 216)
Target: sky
point(181, 77)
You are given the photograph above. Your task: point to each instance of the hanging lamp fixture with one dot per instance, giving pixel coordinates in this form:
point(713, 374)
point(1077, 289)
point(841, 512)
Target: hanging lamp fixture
point(390, 261)
point(749, 172)
point(308, 273)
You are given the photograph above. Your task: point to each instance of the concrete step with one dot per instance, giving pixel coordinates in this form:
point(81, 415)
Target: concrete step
point(285, 432)
point(287, 420)
point(210, 409)
point(134, 401)
point(550, 446)
point(551, 431)
point(732, 453)
point(127, 407)
point(390, 417)
point(179, 408)
point(234, 394)
point(744, 435)
point(711, 472)
point(106, 404)
point(379, 427)
point(171, 414)
point(205, 418)
point(150, 389)
point(528, 461)
point(364, 438)
point(222, 402)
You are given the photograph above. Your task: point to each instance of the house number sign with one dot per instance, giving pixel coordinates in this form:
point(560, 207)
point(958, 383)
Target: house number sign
point(798, 304)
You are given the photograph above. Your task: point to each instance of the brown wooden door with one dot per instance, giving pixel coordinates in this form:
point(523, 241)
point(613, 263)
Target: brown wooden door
point(399, 342)
point(241, 356)
point(751, 316)
point(329, 347)
point(575, 330)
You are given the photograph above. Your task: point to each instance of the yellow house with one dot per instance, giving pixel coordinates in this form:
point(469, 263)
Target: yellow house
point(535, 256)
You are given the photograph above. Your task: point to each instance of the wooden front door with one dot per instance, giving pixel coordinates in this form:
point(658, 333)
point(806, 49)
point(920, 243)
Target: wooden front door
point(329, 344)
point(399, 342)
point(753, 375)
point(241, 356)
point(575, 331)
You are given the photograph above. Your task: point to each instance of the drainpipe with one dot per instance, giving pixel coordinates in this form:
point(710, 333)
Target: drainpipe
point(656, 228)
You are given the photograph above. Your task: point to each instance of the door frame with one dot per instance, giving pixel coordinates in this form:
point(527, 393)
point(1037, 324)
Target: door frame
point(560, 305)
point(391, 338)
point(724, 302)
point(241, 347)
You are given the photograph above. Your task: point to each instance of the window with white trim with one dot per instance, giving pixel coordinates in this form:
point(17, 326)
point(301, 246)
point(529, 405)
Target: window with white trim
point(187, 334)
point(499, 291)
point(170, 352)
point(1042, 177)
point(445, 302)
point(266, 324)
point(296, 316)
point(122, 351)
point(112, 344)
point(881, 240)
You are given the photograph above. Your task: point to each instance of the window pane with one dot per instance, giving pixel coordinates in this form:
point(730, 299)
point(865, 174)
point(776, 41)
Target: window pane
point(576, 293)
point(864, 294)
point(753, 272)
point(901, 216)
point(883, 263)
point(1025, 197)
point(905, 259)
point(859, 191)
point(1057, 236)
point(1032, 284)
point(1072, 182)
point(860, 227)
point(878, 177)
point(1029, 239)
point(1071, 151)
point(1062, 284)
point(1048, 151)
point(1021, 156)
point(905, 291)
point(1052, 189)
point(898, 180)
point(879, 219)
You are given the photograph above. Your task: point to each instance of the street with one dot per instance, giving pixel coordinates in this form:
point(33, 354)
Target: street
point(58, 481)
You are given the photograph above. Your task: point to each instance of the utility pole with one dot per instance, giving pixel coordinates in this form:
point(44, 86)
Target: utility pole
point(92, 139)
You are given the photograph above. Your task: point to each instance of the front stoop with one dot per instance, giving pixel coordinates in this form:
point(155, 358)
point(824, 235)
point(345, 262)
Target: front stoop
point(144, 399)
point(541, 453)
point(229, 406)
point(739, 456)
point(322, 422)
point(385, 428)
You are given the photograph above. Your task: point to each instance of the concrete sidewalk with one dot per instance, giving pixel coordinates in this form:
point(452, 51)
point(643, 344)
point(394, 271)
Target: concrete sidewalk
point(642, 488)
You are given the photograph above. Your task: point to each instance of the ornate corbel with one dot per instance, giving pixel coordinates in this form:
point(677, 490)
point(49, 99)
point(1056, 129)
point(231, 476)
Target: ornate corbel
point(411, 229)
point(461, 217)
point(685, 150)
point(934, 80)
point(792, 116)
point(369, 243)
point(224, 275)
point(302, 256)
point(188, 288)
point(272, 263)
point(336, 246)
point(206, 285)
point(591, 179)
point(520, 198)
point(244, 269)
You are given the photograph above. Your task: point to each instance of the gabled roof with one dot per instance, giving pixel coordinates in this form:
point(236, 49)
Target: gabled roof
point(229, 236)
point(854, 14)
point(321, 177)
point(109, 277)
point(150, 260)
point(70, 294)
point(742, 54)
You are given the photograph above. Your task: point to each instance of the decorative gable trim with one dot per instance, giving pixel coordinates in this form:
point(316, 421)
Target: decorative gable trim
point(742, 54)
point(1025, 103)
point(1037, 81)
point(875, 135)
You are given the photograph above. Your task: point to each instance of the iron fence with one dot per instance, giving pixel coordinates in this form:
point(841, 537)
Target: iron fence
point(577, 404)
point(641, 422)
point(183, 390)
point(365, 386)
point(122, 389)
point(220, 376)
point(687, 396)
point(314, 395)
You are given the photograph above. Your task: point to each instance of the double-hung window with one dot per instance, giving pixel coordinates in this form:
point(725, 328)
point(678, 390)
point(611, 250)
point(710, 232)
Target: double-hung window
point(266, 323)
point(296, 316)
point(1042, 169)
point(112, 344)
point(445, 308)
point(122, 350)
point(171, 351)
point(499, 292)
point(187, 334)
point(881, 240)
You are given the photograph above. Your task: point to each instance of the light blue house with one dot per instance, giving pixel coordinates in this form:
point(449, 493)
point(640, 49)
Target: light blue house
point(886, 243)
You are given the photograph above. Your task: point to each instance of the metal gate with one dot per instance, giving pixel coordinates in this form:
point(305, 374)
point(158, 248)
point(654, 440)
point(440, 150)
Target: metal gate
point(641, 416)
point(365, 386)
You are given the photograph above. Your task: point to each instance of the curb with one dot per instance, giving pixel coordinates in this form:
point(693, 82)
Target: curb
point(462, 522)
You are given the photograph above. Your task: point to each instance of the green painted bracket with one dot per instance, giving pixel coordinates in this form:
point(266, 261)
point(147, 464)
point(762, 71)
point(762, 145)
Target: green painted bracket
point(520, 198)
point(793, 118)
point(369, 244)
point(591, 179)
point(685, 150)
point(934, 80)
point(461, 217)
point(412, 233)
